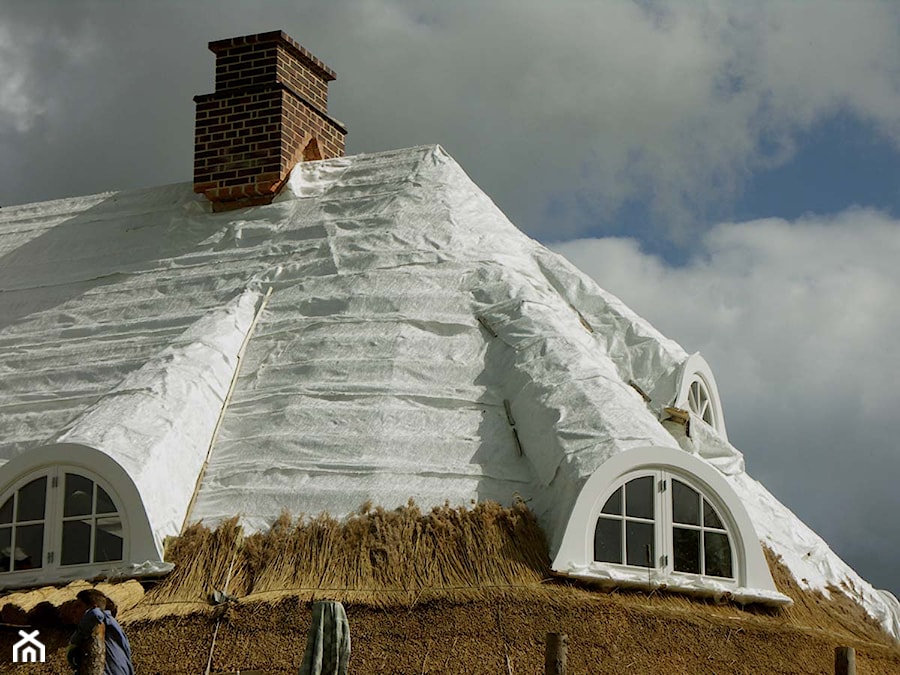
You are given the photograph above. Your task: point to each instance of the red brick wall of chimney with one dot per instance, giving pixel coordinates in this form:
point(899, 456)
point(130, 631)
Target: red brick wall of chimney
point(268, 111)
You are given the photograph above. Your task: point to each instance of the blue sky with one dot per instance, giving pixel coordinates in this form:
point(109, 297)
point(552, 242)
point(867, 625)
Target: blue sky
point(841, 162)
point(729, 169)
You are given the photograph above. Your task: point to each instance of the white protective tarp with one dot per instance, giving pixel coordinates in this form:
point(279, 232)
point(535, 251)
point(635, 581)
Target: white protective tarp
point(374, 373)
point(158, 423)
point(405, 310)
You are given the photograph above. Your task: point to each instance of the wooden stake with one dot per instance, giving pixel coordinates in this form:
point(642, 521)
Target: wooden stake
point(555, 656)
point(93, 661)
point(844, 661)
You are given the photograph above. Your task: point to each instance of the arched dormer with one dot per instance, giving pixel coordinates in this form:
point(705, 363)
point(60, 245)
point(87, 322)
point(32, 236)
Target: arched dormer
point(658, 517)
point(68, 511)
point(698, 393)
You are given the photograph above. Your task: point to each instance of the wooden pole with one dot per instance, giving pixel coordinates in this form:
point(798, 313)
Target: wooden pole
point(93, 661)
point(555, 657)
point(844, 661)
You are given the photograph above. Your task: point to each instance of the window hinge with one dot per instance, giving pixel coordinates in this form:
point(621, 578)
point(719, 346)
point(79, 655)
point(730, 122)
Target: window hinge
point(662, 485)
point(49, 556)
point(54, 481)
point(663, 560)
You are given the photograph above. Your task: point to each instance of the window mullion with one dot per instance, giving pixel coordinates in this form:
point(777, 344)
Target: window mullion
point(15, 528)
point(93, 521)
point(703, 535)
point(665, 523)
point(52, 522)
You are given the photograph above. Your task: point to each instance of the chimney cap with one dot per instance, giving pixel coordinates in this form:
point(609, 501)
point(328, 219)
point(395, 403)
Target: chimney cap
point(279, 37)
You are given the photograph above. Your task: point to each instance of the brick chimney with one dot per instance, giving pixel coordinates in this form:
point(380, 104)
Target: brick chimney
point(269, 111)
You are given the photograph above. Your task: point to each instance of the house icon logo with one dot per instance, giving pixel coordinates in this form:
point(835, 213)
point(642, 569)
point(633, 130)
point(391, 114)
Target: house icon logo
point(29, 649)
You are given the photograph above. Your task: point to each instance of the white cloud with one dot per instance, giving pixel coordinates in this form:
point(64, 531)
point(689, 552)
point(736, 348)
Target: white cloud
point(817, 296)
point(606, 102)
point(800, 322)
point(18, 106)
point(33, 62)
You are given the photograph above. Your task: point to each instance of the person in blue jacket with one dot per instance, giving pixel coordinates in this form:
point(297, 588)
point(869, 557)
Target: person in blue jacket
point(118, 651)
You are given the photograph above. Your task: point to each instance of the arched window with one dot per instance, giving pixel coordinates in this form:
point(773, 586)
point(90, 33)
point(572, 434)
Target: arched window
point(60, 517)
point(657, 519)
point(22, 527)
point(700, 402)
point(660, 517)
point(626, 529)
point(91, 526)
point(700, 543)
point(697, 392)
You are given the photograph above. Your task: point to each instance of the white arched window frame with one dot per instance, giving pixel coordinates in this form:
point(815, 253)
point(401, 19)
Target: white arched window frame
point(751, 581)
point(61, 522)
point(142, 552)
point(698, 393)
point(662, 519)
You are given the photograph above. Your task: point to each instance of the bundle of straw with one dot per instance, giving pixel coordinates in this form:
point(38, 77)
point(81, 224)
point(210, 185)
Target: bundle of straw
point(402, 556)
point(375, 557)
point(204, 561)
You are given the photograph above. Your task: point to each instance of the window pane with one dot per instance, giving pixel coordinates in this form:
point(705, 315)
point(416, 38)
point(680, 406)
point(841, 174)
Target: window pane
point(108, 540)
point(639, 497)
point(608, 540)
point(76, 542)
point(29, 551)
point(685, 504)
point(686, 547)
point(5, 548)
point(104, 502)
point(79, 496)
point(613, 505)
point(718, 554)
point(6, 511)
point(639, 542)
point(710, 517)
point(32, 499)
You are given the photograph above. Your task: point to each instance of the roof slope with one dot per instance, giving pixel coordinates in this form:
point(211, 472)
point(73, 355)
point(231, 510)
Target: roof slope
point(368, 375)
point(372, 335)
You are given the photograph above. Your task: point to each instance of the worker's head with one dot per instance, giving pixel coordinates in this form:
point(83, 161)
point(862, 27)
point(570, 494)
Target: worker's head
point(91, 597)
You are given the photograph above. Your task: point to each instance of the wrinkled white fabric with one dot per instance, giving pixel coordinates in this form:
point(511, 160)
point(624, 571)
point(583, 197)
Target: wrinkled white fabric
point(405, 310)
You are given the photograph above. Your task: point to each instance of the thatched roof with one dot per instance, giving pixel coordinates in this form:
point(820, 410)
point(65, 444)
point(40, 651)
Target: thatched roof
point(380, 331)
point(452, 591)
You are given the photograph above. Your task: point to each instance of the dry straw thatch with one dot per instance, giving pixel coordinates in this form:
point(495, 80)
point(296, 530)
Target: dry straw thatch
point(398, 558)
point(834, 614)
point(376, 557)
point(52, 605)
point(204, 562)
point(403, 557)
point(457, 590)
